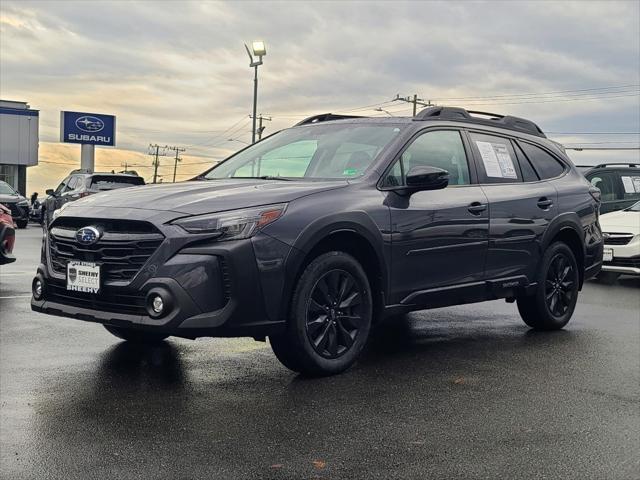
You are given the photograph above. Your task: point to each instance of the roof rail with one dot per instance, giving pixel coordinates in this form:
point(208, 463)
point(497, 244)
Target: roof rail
point(482, 118)
point(325, 117)
point(602, 165)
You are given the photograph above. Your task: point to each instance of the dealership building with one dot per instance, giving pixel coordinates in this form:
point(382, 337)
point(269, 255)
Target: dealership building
point(18, 142)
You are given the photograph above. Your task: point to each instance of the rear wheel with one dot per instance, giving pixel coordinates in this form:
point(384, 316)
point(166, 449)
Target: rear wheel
point(554, 301)
point(330, 317)
point(136, 336)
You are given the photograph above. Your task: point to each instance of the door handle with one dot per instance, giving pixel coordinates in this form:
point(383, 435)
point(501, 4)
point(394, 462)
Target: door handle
point(476, 208)
point(544, 203)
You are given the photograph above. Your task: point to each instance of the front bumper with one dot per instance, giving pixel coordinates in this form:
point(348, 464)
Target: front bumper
point(216, 289)
point(626, 258)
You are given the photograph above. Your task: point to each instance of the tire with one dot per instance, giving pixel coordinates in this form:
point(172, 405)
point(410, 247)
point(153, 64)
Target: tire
point(330, 317)
point(608, 278)
point(136, 336)
point(22, 223)
point(554, 301)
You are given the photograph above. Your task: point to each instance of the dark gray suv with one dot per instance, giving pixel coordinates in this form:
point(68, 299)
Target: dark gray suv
point(317, 232)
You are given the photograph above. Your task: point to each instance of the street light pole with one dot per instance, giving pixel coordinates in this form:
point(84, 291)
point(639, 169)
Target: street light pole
point(255, 103)
point(259, 51)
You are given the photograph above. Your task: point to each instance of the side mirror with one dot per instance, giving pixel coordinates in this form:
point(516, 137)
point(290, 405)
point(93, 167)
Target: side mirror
point(426, 178)
point(50, 191)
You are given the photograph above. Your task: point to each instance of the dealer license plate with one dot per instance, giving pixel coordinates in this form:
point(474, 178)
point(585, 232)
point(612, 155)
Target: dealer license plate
point(607, 255)
point(83, 276)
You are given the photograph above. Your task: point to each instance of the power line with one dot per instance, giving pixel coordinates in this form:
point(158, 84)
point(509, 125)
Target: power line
point(507, 95)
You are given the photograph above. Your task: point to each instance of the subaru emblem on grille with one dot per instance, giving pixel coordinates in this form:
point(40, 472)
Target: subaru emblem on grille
point(87, 235)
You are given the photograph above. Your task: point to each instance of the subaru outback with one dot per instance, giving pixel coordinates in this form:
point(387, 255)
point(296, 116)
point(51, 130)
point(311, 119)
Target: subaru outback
point(314, 234)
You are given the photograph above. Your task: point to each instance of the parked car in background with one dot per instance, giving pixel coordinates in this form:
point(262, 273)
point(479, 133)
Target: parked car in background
point(316, 232)
point(621, 231)
point(16, 203)
point(619, 184)
point(81, 183)
point(7, 236)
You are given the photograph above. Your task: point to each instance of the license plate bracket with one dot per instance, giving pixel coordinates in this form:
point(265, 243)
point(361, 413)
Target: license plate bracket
point(83, 276)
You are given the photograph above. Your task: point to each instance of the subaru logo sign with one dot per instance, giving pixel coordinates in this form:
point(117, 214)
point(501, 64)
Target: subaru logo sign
point(87, 235)
point(89, 124)
point(88, 128)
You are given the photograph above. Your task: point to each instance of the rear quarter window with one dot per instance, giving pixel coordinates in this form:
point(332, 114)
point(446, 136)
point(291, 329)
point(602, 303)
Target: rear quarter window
point(545, 164)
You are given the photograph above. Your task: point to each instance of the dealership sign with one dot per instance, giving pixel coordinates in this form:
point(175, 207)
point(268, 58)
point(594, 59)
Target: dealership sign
point(88, 128)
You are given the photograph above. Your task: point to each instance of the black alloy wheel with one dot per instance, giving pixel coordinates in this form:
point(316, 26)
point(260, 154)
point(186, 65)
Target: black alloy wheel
point(560, 285)
point(333, 314)
point(551, 305)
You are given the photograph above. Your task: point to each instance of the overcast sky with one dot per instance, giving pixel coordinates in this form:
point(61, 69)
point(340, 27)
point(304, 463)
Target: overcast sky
point(177, 72)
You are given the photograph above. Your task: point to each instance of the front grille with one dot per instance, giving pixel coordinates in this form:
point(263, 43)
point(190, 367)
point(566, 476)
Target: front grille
point(617, 238)
point(625, 262)
point(106, 301)
point(122, 250)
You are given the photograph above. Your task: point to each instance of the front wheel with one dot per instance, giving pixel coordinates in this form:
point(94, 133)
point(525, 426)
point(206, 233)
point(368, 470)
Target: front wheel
point(554, 301)
point(22, 223)
point(136, 336)
point(330, 317)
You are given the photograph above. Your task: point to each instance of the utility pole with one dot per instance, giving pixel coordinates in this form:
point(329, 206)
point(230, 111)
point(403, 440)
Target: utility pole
point(177, 159)
point(415, 101)
point(260, 127)
point(154, 150)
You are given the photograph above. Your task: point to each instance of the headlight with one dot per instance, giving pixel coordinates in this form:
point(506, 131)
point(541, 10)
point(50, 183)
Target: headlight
point(23, 203)
point(234, 224)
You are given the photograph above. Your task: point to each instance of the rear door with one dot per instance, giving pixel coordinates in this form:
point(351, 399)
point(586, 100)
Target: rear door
point(521, 205)
point(439, 237)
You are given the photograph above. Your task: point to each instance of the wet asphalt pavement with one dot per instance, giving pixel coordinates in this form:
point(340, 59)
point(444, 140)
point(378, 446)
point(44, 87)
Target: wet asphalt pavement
point(464, 392)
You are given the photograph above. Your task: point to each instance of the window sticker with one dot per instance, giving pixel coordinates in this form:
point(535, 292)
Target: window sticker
point(628, 185)
point(496, 159)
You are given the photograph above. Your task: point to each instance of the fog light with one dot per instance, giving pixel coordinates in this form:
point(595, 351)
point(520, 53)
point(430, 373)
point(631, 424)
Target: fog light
point(157, 304)
point(37, 288)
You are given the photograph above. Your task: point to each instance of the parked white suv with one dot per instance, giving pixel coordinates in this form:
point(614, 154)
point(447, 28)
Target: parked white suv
point(621, 243)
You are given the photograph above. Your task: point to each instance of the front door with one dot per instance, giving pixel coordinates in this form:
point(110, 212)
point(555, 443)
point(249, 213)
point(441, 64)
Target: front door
point(440, 237)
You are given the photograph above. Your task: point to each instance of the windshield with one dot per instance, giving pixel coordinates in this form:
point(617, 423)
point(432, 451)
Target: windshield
point(314, 152)
point(5, 189)
point(634, 208)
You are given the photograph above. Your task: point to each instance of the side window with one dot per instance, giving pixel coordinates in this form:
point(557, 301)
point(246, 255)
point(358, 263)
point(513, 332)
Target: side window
point(543, 162)
point(496, 159)
point(606, 182)
point(72, 184)
point(528, 173)
point(631, 185)
point(442, 149)
point(63, 186)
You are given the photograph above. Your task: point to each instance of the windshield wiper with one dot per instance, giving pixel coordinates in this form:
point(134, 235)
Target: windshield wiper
point(269, 177)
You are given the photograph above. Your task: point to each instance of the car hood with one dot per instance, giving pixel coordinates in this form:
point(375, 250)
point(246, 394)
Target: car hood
point(207, 196)
point(621, 222)
point(11, 198)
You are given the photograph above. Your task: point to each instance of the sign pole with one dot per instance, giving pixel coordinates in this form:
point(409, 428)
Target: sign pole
point(87, 157)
